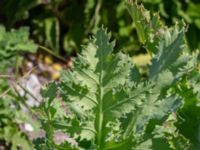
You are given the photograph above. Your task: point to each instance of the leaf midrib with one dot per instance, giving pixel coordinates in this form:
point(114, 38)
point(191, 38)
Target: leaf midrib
point(100, 114)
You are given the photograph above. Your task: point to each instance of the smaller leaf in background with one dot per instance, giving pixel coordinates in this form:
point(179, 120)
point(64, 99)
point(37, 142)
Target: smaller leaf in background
point(172, 11)
point(14, 42)
point(170, 46)
point(140, 18)
point(12, 117)
point(148, 27)
point(16, 138)
point(52, 33)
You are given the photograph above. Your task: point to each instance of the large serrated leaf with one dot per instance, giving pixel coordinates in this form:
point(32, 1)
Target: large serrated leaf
point(95, 85)
point(100, 90)
point(107, 107)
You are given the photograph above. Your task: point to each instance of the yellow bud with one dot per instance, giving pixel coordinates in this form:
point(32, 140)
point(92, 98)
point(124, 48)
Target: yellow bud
point(57, 67)
point(48, 60)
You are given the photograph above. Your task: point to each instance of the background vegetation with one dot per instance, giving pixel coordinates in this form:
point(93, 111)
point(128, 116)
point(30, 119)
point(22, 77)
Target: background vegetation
point(65, 25)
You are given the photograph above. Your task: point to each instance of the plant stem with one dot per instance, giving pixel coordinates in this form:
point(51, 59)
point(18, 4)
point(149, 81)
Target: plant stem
point(7, 90)
point(6, 76)
point(23, 101)
point(100, 114)
point(95, 19)
point(52, 53)
point(17, 66)
point(129, 129)
point(100, 120)
point(27, 91)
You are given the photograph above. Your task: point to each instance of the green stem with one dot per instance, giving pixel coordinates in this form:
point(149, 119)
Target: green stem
point(27, 91)
point(52, 53)
point(8, 90)
point(7, 76)
point(100, 120)
point(23, 101)
point(95, 19)
point(129, 129)
point(100, 109)
point(17, 66)
point(49, 128)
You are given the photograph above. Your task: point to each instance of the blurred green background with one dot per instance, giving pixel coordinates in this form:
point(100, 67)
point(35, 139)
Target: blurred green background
point(64, 25)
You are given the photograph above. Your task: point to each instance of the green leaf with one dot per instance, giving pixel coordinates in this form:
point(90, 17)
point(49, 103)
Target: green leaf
point(147, 26)
point(100, 90)
point(15, 137)
point(111, 109)
point(188, 117)
point(193, 83)
point(14, 42)
point(140, 19)
point(52, 33)
point(50, 91)
point(96, 76)
point(170, 47)
point(154, 144)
